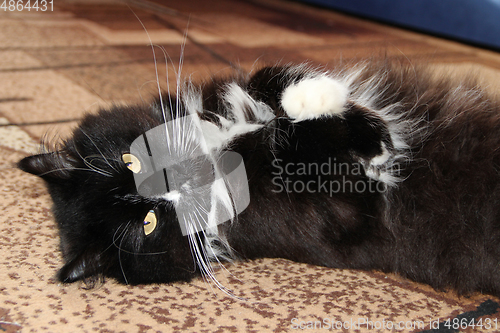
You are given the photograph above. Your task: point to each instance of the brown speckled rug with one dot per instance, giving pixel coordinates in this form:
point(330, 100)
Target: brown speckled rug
point(58, 64)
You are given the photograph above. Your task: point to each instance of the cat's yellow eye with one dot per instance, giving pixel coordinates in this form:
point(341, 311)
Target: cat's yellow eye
point(150, 222)
point(132, 162)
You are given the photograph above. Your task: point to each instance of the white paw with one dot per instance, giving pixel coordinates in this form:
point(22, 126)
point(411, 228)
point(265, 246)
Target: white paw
point(313, 98)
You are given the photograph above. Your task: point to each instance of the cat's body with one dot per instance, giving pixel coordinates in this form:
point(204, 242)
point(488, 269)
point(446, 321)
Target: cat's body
point(379, 167)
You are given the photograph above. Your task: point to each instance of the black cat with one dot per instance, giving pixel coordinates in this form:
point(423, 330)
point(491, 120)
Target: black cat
point(375, 167)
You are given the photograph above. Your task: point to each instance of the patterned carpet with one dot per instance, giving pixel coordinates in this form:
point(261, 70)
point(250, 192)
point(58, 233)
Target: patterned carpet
point(81, 55)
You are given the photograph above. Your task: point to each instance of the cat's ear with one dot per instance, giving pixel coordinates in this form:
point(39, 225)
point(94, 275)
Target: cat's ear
point(49, 166)
point(86, 266)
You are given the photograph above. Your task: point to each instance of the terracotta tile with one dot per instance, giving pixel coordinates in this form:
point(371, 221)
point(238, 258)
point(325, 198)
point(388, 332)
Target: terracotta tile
point(37, 33)
point(41, 96)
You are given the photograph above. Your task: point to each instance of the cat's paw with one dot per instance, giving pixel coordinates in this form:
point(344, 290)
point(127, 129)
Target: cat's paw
point(314, 97)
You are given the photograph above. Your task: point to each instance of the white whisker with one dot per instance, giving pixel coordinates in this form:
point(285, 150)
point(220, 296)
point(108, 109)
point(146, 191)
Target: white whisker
point(119, 247)
point(100, 152)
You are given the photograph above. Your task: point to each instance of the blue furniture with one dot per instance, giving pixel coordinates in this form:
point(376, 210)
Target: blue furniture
point(471, 21)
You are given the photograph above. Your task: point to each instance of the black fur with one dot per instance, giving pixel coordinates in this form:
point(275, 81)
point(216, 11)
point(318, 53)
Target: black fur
point(439, 225)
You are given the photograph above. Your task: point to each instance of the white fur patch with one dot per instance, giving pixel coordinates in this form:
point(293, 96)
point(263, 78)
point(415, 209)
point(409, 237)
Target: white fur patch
point(239, 103)
point(314, 97)
point(173, 196)
point(384, 167)
point(382, 158)
point(367, 93)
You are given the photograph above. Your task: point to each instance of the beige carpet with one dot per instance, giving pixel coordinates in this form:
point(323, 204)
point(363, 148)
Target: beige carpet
point(59, 64)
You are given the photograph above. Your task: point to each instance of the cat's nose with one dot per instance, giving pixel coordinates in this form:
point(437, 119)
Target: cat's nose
point(174, 177)
point(154, 186)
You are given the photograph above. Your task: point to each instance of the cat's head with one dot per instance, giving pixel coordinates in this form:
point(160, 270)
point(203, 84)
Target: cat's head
point(106, 227)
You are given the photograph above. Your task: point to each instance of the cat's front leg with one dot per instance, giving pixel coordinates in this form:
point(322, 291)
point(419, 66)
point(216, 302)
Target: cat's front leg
point(314, 97)
point(369, 135)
